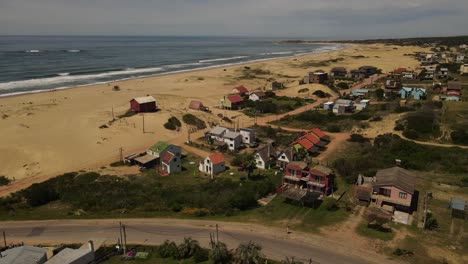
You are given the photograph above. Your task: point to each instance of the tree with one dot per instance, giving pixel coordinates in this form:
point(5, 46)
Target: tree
point(249, 253)
point(342, 85)
point(220, 254)
point(4, 180)
point(188, 248)
point(250, 164)
point(168, 249)
point(379, 93)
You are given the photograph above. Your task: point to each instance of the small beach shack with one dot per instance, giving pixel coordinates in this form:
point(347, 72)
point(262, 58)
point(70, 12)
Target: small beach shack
point(458, 207)
point(197, 105)
point(143, 104)
point(241, 90)
point(232, 102)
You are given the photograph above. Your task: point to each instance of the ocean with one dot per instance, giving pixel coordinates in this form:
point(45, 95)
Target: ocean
point(39, 63)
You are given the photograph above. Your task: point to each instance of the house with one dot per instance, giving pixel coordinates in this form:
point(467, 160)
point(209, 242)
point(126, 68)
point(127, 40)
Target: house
point(213, 164)
point(339, 72)
point(143, 104)
point(305, 184)
point(322, 136)
point(150, 158)
point(248, 135)
point(392, 85)
point(405, 92)
point(356, 74)
point(328, 105)
point(157, 149)
point(458, 207)
point(361, 93)
point(342, 106)
point(398, 72)
point(241, 90)
point(276, 85)
point(452, 92)
point(460, 58)
point(82, 255)
point(419, 93)
point(318, 77)
point(368, 70)
point(362, 104)
point(394, 187)
point(288, 155)
point(443, 73)
point(170, 161)
point(197, 105)
point(257, 96)
point(265, 156)
point(232, 102)
point(463, 46)
point(464, 69)
point(408, 75)
point(23, 255)
point(217, 133)
point(233, 140)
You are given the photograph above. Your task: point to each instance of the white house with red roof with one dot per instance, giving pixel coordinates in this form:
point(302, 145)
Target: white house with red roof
point(213, 164)
point(170, 161)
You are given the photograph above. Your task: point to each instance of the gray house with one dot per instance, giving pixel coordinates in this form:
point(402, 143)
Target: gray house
point(24, 255)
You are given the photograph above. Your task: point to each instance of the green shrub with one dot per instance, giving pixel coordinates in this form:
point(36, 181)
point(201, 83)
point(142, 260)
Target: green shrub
point(330, 204)
point(402, 252)
point(333, 129)
point(343, 85)
point(194, 121)
point(459, 137)
point(4, 181)
point(358, 138)
point(321, 94)
point(117, 164)
point(411, 134)
point(170, 126)
point(168, 250)
point(201, 255)
point(39, 194)
point(175, 121)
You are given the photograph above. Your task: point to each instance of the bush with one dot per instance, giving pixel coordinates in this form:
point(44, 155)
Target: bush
point(399, 127)
point(334, 129)
point(168, 250)
point(4, 181)
point(321, 94)
point(201, 255)
point(40, 194)
point(342, 85)
point(194, 121)
point(379, 93)
point(175, 121)
point(170, 126)
point(431, 222)
point(330, 204)
point(358, 138)
point(402, 252)
point(411, 134)
point(459, 137)
point(375, 119)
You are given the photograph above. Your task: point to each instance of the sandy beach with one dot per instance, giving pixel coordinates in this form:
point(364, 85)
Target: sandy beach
point(49, 133)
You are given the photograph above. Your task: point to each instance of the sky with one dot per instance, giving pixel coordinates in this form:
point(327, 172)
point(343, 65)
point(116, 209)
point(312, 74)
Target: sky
point(307, 19)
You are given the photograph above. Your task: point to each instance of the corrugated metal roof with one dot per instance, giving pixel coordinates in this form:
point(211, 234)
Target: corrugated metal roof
point(75, 256)
point(23, 255)
point(396, 176)
point(457, 204)
point(218, 130)
point(232, 135)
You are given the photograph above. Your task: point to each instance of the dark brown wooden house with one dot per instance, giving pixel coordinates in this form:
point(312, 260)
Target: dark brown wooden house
point(143, 104)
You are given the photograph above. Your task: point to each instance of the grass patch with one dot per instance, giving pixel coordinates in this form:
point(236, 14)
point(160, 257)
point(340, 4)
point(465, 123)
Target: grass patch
point(190, 119)
point(274, 105)
point(173, 123)
point(364, 230)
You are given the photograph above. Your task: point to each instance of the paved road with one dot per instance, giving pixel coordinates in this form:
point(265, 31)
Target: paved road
point(275, 242)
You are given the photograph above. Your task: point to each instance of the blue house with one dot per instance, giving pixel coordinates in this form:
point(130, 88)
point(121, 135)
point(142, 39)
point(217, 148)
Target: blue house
point(405, 92)
point(419, 93)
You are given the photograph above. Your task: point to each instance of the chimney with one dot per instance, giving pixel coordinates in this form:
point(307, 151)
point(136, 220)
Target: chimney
point(91, 246)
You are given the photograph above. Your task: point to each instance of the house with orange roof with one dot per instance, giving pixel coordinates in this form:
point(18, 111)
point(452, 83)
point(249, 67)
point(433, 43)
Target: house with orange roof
point(213, 164)
point(241, 90)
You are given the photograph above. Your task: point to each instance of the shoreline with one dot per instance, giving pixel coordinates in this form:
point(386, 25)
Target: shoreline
point(13, 94)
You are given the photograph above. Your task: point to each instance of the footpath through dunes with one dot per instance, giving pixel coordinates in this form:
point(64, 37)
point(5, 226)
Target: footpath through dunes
point(276, 243)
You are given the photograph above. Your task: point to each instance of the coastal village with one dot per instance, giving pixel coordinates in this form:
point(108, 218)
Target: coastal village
point(297, 133)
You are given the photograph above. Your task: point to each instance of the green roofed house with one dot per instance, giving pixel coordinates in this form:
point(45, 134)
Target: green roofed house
point(157, 148)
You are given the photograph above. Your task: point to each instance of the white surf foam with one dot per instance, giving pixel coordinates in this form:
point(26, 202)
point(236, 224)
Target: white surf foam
point(74, 50)
point(33, 51)
point(63, 74)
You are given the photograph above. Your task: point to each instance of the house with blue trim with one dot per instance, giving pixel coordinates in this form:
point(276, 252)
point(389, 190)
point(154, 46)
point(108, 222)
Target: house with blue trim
point(405, 92)
point(419, 93)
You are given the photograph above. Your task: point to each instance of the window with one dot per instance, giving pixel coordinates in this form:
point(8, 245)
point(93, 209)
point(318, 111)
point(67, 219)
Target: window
point(385, 192)
point(403, 195)
point(283, 157)
point(317, 178)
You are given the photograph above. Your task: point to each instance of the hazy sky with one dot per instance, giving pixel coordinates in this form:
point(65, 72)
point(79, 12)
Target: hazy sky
point(277, 18)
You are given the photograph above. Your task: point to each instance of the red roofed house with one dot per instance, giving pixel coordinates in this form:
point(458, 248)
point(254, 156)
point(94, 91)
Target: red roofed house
point(197, 105)
point(143, 104)
point(305, 184)
point(319, 133)
point(240, 90)
point(170, 161)
point(232, 102)
point(213, 164)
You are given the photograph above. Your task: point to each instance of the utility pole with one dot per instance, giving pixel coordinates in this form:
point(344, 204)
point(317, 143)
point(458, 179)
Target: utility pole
point(121, 154)
point(4, 239)
point(217, 234)
point(121, 237)
point(143, 122)
point(113, 118)
point(125, 240)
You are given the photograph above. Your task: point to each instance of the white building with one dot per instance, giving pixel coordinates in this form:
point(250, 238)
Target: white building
point(328, 105)
point(213, 164)
point(257, 96)
point(265, 156)
point(248, 135)
point(464, 69)
point(363, 104)
point(233, 140)
point(342, 106)
point(218, 133)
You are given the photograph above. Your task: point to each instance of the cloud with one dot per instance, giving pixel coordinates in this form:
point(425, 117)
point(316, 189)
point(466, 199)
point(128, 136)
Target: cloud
point(305, 18)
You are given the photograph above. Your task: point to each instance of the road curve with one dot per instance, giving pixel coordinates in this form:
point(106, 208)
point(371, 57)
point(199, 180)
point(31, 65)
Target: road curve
point(276, 243)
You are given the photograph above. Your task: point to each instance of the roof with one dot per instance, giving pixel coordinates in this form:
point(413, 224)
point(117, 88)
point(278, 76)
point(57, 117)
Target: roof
point(266, 152)
point(397, 177)
point(196, 105)
point(75, 256)
point(323, 170)
point(259, 93)
point(305, 143)
point(328, 103)
point(361, 90)
point(234, 98)
point(312, 138)
point(241, 89)
point(23, 255)
point(454, 85)
point(296, 165)
point(367, 68)
point(217, 158)
point(406, 89)
point(159, 147)
point(318, 132)
point(144, 100)
point(457, 204)
point(167, 157)
point(338, 69)
point(289, 152)
point(363, 193)
point(343, 102)
point(218, 130)
point(399, 70)
point(232, 135)
point(145, 159)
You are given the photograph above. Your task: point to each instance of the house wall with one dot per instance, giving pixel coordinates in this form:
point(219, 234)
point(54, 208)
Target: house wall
point(233, 144)
point(261, 164)
point(208, 167)
point(395, 195)
point(247, 136)
point(253, 97)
